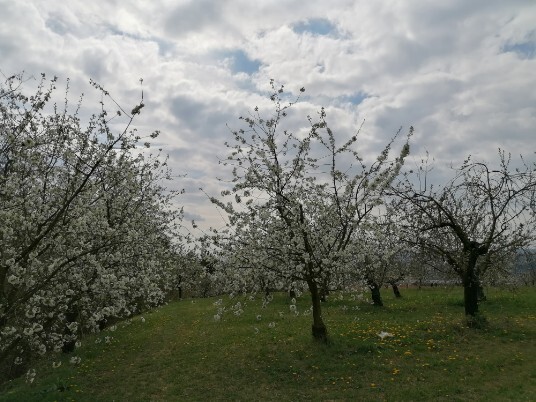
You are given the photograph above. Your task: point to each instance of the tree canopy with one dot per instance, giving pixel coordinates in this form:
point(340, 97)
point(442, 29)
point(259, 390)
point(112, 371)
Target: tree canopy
point(479, 216)
point(88, 231)
point(297, 201)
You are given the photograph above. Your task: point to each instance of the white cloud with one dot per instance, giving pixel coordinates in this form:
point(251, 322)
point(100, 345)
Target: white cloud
point(460, 72)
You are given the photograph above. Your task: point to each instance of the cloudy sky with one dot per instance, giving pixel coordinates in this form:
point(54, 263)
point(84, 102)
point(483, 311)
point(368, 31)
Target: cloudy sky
point(463, 73)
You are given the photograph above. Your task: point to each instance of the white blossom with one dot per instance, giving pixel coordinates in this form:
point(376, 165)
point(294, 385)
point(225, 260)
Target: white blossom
point(110, 252)
point(384, 334)
point(75, 360)
point(308, 195)
point(30, 376)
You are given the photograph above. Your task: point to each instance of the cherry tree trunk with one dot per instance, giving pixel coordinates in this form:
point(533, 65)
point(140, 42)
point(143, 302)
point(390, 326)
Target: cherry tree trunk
point(319, 330)
point(396, 291)
point(470, 296)
point(376, 295)
point(470, 286)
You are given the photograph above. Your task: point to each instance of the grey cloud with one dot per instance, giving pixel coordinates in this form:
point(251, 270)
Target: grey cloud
point(207, 119)
point(193, 16)
point(188, 216)
point(57, 26)
point(94, 64)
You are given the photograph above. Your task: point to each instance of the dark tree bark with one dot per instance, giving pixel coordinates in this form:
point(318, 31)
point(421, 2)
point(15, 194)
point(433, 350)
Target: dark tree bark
point(396, 290)
point(319, 330)
point(470, 297)
point(471, 282)
point(376, 295)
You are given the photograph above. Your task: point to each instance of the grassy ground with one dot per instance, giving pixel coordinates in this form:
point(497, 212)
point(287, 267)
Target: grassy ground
point(180, 353)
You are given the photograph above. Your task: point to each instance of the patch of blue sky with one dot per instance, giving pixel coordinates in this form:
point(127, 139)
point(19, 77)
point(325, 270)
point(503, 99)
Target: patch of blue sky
point(240, 62)
point(525, 50)
point(196, 174)
point(355, 98)
point(165, 48)
point(315, 26)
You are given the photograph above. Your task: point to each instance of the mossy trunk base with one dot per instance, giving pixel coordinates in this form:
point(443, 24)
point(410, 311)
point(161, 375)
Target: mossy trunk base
point(320, 333)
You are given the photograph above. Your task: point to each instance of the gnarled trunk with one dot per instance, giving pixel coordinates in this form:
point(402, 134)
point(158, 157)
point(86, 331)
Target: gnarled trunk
point(471, 285)
point(376, 295)
point(396, 291)
point(319, 330)
point(470, 298)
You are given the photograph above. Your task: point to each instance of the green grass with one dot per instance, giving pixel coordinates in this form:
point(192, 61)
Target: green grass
point(181, 354)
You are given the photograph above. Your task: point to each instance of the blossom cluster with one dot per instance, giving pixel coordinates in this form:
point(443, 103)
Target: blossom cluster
point(87, 228)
